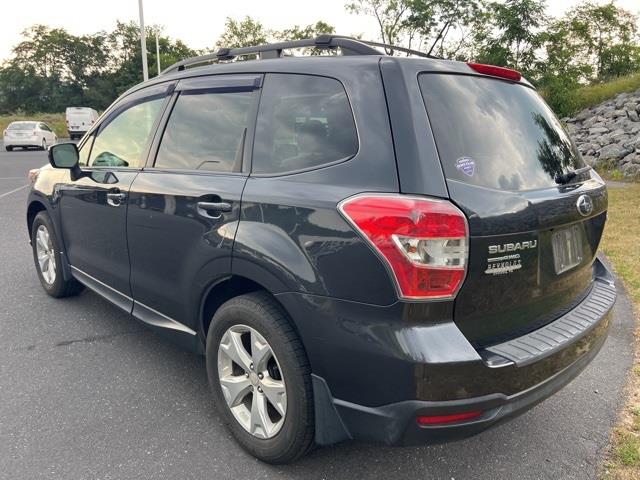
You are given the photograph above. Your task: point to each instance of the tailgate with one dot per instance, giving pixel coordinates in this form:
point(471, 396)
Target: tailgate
point(533, 235)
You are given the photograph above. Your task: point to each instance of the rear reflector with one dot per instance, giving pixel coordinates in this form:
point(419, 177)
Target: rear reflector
point(445, 419)
point(495, 71)
point(423, 241)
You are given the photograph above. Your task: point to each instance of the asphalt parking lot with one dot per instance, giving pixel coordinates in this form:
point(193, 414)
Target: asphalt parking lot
point(88, 393)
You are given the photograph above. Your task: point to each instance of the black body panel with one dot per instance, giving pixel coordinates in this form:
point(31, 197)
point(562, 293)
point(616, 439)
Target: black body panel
point(171, 241)
point(377, 362)
point(494, 307)
point(94, 231)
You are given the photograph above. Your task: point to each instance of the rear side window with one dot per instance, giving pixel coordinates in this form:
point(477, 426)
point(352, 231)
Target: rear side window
point(205, 132)
point(304, 122)
point(496, 134)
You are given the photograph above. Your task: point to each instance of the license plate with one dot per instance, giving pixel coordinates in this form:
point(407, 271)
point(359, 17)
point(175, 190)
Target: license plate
point(567, 249)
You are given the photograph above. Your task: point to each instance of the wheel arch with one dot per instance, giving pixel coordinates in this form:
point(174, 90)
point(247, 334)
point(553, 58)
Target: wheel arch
point(35, 207)
point(227, 288)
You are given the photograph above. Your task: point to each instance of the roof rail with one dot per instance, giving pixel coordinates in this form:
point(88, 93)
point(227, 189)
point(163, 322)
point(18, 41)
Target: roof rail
point(348, 46)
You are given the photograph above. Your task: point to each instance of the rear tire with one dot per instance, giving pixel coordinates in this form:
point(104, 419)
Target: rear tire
point(9, 149)
point(47, 259)
point(268, 327)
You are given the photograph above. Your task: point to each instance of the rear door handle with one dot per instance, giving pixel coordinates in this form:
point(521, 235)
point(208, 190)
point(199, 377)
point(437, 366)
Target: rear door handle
point(116, 199)
point(219, 207)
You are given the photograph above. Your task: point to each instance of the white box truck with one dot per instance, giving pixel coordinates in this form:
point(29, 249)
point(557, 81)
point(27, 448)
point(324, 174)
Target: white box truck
point(79, 121)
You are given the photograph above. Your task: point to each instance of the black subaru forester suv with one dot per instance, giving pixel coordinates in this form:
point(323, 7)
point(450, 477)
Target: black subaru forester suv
point(400, 250)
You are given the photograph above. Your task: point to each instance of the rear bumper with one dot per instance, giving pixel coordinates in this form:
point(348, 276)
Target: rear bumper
point(432, 370)
point(23, 142)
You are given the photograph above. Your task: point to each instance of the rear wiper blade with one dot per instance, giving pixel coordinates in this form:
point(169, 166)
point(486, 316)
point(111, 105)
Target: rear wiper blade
point(564, 178)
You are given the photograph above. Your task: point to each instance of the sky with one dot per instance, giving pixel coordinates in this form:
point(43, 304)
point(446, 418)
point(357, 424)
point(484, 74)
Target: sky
point(197, 22)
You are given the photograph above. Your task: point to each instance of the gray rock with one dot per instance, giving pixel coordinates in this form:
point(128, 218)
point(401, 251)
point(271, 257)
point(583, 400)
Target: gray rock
point(612, 152)
point(633, 116)
point(598, 130)
point(583, 115)
point(631, 158)
point(630, 170)
point(590, 160)
point(589, 122)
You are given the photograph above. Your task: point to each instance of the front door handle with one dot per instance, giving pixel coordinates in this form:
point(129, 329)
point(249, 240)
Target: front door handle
point(116, 199)
point(218, 207)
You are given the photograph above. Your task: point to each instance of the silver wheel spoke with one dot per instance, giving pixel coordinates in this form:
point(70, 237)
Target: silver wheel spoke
point(276, 394)
point(261, 424)
point(42, 242)
point(45, 254)
point(235, 388)
point(260, 351)
point(264, 415)
point(236, 351)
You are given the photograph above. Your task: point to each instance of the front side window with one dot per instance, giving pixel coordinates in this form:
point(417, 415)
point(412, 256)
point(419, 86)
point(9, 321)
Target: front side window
point(304, 122)
point(122, 141)
point(205, 132)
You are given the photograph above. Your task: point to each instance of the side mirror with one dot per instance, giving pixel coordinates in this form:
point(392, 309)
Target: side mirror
point(65, 155)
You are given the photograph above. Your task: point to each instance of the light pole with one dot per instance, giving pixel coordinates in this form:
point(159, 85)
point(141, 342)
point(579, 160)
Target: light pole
point(158, 50)
point(143, 43)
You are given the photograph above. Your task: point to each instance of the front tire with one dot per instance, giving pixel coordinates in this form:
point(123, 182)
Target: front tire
point(46, 256)
point(9, 149)
point(261, 378)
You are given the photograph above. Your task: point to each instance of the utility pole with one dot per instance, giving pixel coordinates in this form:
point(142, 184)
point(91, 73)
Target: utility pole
point(158, 50)
point(143, 43)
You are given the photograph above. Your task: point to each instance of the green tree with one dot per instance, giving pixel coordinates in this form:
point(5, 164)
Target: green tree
point(391, 15)
point(445, 26)
point(301, 33)
point(513, 33)
point(606, 36)
point(243, 33)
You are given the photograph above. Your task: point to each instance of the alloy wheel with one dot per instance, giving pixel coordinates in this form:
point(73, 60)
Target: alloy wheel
point(46, 255)
point(251, 381)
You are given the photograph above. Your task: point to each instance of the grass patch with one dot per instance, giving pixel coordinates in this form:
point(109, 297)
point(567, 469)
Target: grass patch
point(620, 237)
point(56, 121)
point(620, 246)
point(592, 95)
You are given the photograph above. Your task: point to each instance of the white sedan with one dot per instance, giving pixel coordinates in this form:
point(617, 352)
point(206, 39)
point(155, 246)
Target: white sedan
point(28, 134)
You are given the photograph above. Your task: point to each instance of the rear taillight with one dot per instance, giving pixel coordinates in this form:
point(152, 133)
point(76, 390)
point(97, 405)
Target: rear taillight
point(423, 241)
point(496, 71)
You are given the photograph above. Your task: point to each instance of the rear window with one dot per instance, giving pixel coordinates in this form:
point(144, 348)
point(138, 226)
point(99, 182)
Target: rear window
point(22, 126)
point(496, 134)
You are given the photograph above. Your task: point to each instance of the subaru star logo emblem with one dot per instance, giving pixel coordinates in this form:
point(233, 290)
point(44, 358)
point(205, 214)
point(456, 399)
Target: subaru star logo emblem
point(585, 205)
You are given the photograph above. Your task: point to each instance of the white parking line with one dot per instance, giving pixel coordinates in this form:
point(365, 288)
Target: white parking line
point(13, 191)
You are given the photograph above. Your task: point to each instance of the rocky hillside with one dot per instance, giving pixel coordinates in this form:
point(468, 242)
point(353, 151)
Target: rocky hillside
point(608, 135)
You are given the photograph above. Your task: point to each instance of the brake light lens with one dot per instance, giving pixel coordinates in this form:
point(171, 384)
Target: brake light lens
point(423, 241)
point(496, 71)
point(426, 420)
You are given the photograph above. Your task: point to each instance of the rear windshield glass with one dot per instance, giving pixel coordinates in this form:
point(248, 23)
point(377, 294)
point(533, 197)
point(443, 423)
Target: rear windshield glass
point(496, 134)
point(22, 126)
